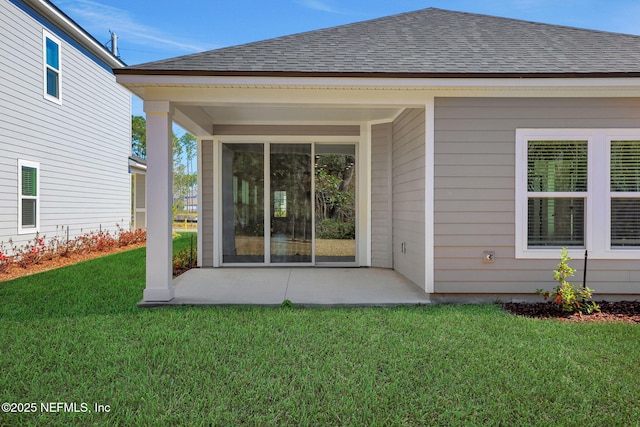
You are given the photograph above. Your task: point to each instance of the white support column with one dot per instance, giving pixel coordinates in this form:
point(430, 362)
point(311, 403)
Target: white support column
point(200, 206)
point(429, 190)
point(363, 159)
point(159, 198)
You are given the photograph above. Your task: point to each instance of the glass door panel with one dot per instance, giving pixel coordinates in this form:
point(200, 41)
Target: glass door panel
point(290, 189)
point(243, 203)
point(335, 203)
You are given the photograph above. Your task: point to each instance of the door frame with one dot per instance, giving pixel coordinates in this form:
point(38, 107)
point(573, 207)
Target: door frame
point(363, 225)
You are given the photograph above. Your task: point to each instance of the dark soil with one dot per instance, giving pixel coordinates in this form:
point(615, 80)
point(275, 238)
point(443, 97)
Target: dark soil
point(621, 311)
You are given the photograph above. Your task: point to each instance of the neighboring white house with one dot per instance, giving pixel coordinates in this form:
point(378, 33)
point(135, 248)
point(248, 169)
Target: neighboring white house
point(481, 145)
point(65, 127)
point(138, 169)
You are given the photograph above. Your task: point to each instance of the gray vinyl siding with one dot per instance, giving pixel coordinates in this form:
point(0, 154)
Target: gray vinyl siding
point(408, 187)
point(475, 192)
point(82, 145)
point(206, 202)
point(381, 203)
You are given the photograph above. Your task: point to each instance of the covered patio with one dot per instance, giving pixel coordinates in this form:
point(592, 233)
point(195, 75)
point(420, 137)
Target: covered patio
point(301, 286)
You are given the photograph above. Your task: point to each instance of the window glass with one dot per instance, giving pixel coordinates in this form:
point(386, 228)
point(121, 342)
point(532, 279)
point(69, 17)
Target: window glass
point(51, 68)
point(625, 178)
point(625, 222)
point(280, 204)
point(557, 166)
point(243, 203)
point(555, 221)
point(29, 181)
point(53, 58)
point(28, 213)
point(52, 83)
point(625, 166)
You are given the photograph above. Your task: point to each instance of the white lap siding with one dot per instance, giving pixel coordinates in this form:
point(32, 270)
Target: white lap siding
point(82, 144)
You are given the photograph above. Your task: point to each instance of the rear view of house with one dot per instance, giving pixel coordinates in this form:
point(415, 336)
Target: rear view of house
point(64, 127)
point(481, 146)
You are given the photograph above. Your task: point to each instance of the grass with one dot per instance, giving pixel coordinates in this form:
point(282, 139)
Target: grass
point(75, 335)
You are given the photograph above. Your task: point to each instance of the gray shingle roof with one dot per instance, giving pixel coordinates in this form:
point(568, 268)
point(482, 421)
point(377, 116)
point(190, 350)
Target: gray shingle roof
point(429, 42)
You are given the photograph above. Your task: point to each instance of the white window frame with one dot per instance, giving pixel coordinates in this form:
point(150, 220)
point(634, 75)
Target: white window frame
point(47, 35)
point(598, 195)
point(36, 166)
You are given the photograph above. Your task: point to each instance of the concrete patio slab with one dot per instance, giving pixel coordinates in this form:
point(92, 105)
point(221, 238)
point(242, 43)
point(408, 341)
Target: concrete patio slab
point(303, 286)
point(352, 286)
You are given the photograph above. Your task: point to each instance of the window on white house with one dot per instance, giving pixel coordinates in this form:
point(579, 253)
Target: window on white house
point(580, 189)
point(52, 67)
point(28, 196)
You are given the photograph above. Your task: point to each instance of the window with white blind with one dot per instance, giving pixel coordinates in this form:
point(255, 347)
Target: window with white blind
point(28, 197)
point(580, 189)
point(556, 193)
point(625, 193)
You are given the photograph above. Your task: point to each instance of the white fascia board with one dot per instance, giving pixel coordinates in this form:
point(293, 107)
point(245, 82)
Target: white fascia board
point(352, 91)
point(583, 82)
point(75, 31)
point(357, 96)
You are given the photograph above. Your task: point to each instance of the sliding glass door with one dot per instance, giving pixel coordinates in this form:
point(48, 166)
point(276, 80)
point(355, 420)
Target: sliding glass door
point(335, 203)
point(281, 204)
point(243, 203)
point(291, 225)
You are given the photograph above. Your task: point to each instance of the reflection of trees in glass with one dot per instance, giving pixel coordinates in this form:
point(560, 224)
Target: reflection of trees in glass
point(557, 166)
point(335, 196)
point(248, 166)
point(291, 173)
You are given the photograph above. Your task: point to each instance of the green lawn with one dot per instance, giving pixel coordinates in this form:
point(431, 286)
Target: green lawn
point(75, 335)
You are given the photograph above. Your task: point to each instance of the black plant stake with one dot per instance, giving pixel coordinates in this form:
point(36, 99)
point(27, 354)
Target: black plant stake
point(584, 278)
point(191, 253)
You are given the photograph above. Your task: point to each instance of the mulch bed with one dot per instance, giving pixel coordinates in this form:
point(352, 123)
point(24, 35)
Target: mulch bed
point(620, 311)
point(62, 261)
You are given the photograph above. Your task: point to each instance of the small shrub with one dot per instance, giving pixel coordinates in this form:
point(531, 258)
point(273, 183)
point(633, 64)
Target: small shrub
point(130, 237)
point(184, 260)
point(5, 260)
point(32, 253)
point(565, 295)
point(40, 249)
point(60, 247)
point(287, 304)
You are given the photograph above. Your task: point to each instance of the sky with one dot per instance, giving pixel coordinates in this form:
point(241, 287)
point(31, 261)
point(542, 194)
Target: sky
point(150, 30)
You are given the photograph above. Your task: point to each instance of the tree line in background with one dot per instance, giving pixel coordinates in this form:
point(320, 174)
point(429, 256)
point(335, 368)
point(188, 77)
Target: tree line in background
point(185, 178)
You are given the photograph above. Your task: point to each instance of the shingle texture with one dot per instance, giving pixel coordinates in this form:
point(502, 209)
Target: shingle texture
point(425, 42)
